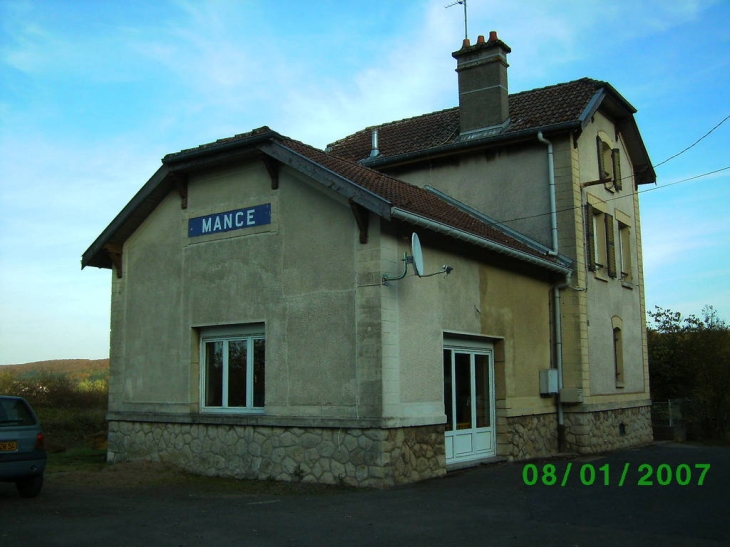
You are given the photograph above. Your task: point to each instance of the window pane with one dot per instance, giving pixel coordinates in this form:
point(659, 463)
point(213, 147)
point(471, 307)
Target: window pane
point(481, 364)
point(259, 372)
point(237, 351)
point(213, 373)
point(14, 412)
point(462, 372)
point(448, 391)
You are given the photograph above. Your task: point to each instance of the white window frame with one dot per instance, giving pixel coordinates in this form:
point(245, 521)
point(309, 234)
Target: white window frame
point(225, 335)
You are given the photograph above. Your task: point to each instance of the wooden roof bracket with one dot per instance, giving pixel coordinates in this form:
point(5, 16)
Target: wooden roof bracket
point(272, 166)
point(181, 185)
point(362, 217)
point(115, 255)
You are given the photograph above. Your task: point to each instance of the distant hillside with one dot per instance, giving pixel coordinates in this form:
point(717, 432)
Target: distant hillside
point(77, 369)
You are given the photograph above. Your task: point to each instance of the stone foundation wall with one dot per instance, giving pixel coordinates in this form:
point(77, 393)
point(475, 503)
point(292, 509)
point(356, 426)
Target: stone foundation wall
point(601, 431)
point(525, 437)
point(357, 457)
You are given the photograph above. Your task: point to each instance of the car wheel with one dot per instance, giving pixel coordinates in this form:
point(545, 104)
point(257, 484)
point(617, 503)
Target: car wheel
point(29, 487)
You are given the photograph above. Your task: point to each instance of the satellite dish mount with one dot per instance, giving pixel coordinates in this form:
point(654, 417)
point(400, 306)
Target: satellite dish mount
point(416, 259)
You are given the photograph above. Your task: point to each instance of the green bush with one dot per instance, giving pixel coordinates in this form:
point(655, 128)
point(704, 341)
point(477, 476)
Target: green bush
point(72, 413)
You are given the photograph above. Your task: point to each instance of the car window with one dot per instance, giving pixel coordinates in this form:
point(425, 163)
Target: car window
point(15, 412)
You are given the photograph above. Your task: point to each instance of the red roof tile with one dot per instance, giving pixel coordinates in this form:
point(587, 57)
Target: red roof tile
point(538, 108)
point(398, 194)
point(409, 198)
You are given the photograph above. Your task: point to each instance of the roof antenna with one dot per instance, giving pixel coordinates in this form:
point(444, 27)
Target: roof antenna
point(462, 2)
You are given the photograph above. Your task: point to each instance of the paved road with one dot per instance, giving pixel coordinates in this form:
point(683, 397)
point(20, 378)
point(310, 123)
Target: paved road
point(489, 505)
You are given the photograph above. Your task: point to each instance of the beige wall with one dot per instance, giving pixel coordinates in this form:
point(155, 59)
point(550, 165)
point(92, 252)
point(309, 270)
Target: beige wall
point(610, 297)
point(508, 308)
point(339, 343)
point(295, 275)
point(513, 184)
point(510, 185)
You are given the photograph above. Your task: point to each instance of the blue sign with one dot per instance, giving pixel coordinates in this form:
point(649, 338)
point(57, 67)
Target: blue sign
point(230, 220)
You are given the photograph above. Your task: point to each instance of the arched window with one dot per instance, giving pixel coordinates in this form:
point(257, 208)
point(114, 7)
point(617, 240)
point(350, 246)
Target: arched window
point(618, 350)
point(609, 164)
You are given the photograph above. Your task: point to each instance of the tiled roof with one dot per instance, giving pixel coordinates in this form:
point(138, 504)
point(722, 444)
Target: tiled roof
point(408, 197)
point(397, 194)
point(528, 110)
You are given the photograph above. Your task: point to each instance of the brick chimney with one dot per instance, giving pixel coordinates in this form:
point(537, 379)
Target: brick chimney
point(482, 70)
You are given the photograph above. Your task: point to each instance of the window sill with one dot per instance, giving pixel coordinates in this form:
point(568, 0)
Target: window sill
point(233, 411)
point(627, 285)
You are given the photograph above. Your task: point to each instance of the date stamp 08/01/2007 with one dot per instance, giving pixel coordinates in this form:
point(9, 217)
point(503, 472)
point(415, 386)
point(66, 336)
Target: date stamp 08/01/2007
point(589, 475)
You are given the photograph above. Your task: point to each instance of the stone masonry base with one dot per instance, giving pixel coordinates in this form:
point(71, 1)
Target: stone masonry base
point(535, 436)
point(526, 437)
point(358, 457)
point(602, 431)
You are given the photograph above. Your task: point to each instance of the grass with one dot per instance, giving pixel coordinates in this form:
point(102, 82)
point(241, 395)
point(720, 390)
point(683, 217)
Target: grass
point(76, 459)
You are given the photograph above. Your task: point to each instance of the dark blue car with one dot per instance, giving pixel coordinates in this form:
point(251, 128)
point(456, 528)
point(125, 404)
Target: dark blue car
point(22, 447)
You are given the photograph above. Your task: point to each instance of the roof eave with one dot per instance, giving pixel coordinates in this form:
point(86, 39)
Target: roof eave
point(479, 241)
point(506, 230)
point(623, 112)
point(454, 147)
point(215, 150)
point(158, 186)
point(340, 184)
point(95, 255)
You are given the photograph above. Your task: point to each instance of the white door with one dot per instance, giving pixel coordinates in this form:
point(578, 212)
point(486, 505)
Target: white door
point(469, 404)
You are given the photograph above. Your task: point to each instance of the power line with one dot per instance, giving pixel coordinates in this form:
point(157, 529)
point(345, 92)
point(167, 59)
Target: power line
point(628, 177)
point(619, 197)
point(693, 144)
point(685, 180)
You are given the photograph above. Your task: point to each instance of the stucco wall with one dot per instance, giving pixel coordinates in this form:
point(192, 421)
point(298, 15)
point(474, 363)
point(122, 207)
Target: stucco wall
point(506, 307)
point(295, 275)
point(510, 185)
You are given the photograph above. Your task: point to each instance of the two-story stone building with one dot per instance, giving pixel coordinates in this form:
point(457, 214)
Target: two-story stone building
point(267, 321)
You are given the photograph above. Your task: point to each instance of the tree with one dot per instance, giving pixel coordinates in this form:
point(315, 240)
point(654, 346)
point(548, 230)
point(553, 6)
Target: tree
point(690, 358)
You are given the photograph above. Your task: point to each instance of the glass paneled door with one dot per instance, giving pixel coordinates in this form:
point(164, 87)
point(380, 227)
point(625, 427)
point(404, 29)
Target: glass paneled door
point(469, 404)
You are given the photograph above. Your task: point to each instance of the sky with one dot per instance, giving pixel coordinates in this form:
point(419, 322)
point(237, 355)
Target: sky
point(94, 93)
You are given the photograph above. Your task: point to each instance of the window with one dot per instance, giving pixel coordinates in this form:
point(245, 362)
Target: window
point(609, 164)
point(625, 251)
point(618, 350)
point(600, 242)
point(233, 368)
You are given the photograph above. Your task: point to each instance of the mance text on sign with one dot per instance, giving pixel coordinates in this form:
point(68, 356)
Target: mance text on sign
point(230, 220)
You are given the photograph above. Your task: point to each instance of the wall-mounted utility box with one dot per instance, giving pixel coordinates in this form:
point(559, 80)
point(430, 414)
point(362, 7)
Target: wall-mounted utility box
point(548, 382)
point(571, 395)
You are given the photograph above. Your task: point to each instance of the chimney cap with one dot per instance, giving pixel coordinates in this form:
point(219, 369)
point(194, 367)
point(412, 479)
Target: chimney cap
point(481, 43)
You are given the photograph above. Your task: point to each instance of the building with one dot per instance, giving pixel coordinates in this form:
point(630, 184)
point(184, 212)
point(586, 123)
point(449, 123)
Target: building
point(562, 165)
point(267, 321)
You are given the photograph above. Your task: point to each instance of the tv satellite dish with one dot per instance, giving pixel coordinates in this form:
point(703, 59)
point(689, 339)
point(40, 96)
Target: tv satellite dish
point(417, 255)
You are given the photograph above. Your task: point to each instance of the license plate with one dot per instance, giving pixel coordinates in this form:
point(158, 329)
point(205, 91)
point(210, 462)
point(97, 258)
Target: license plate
point(8, 446)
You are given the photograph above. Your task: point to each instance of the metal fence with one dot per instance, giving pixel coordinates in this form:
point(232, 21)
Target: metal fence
point(684, 419)
point(669, 413)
